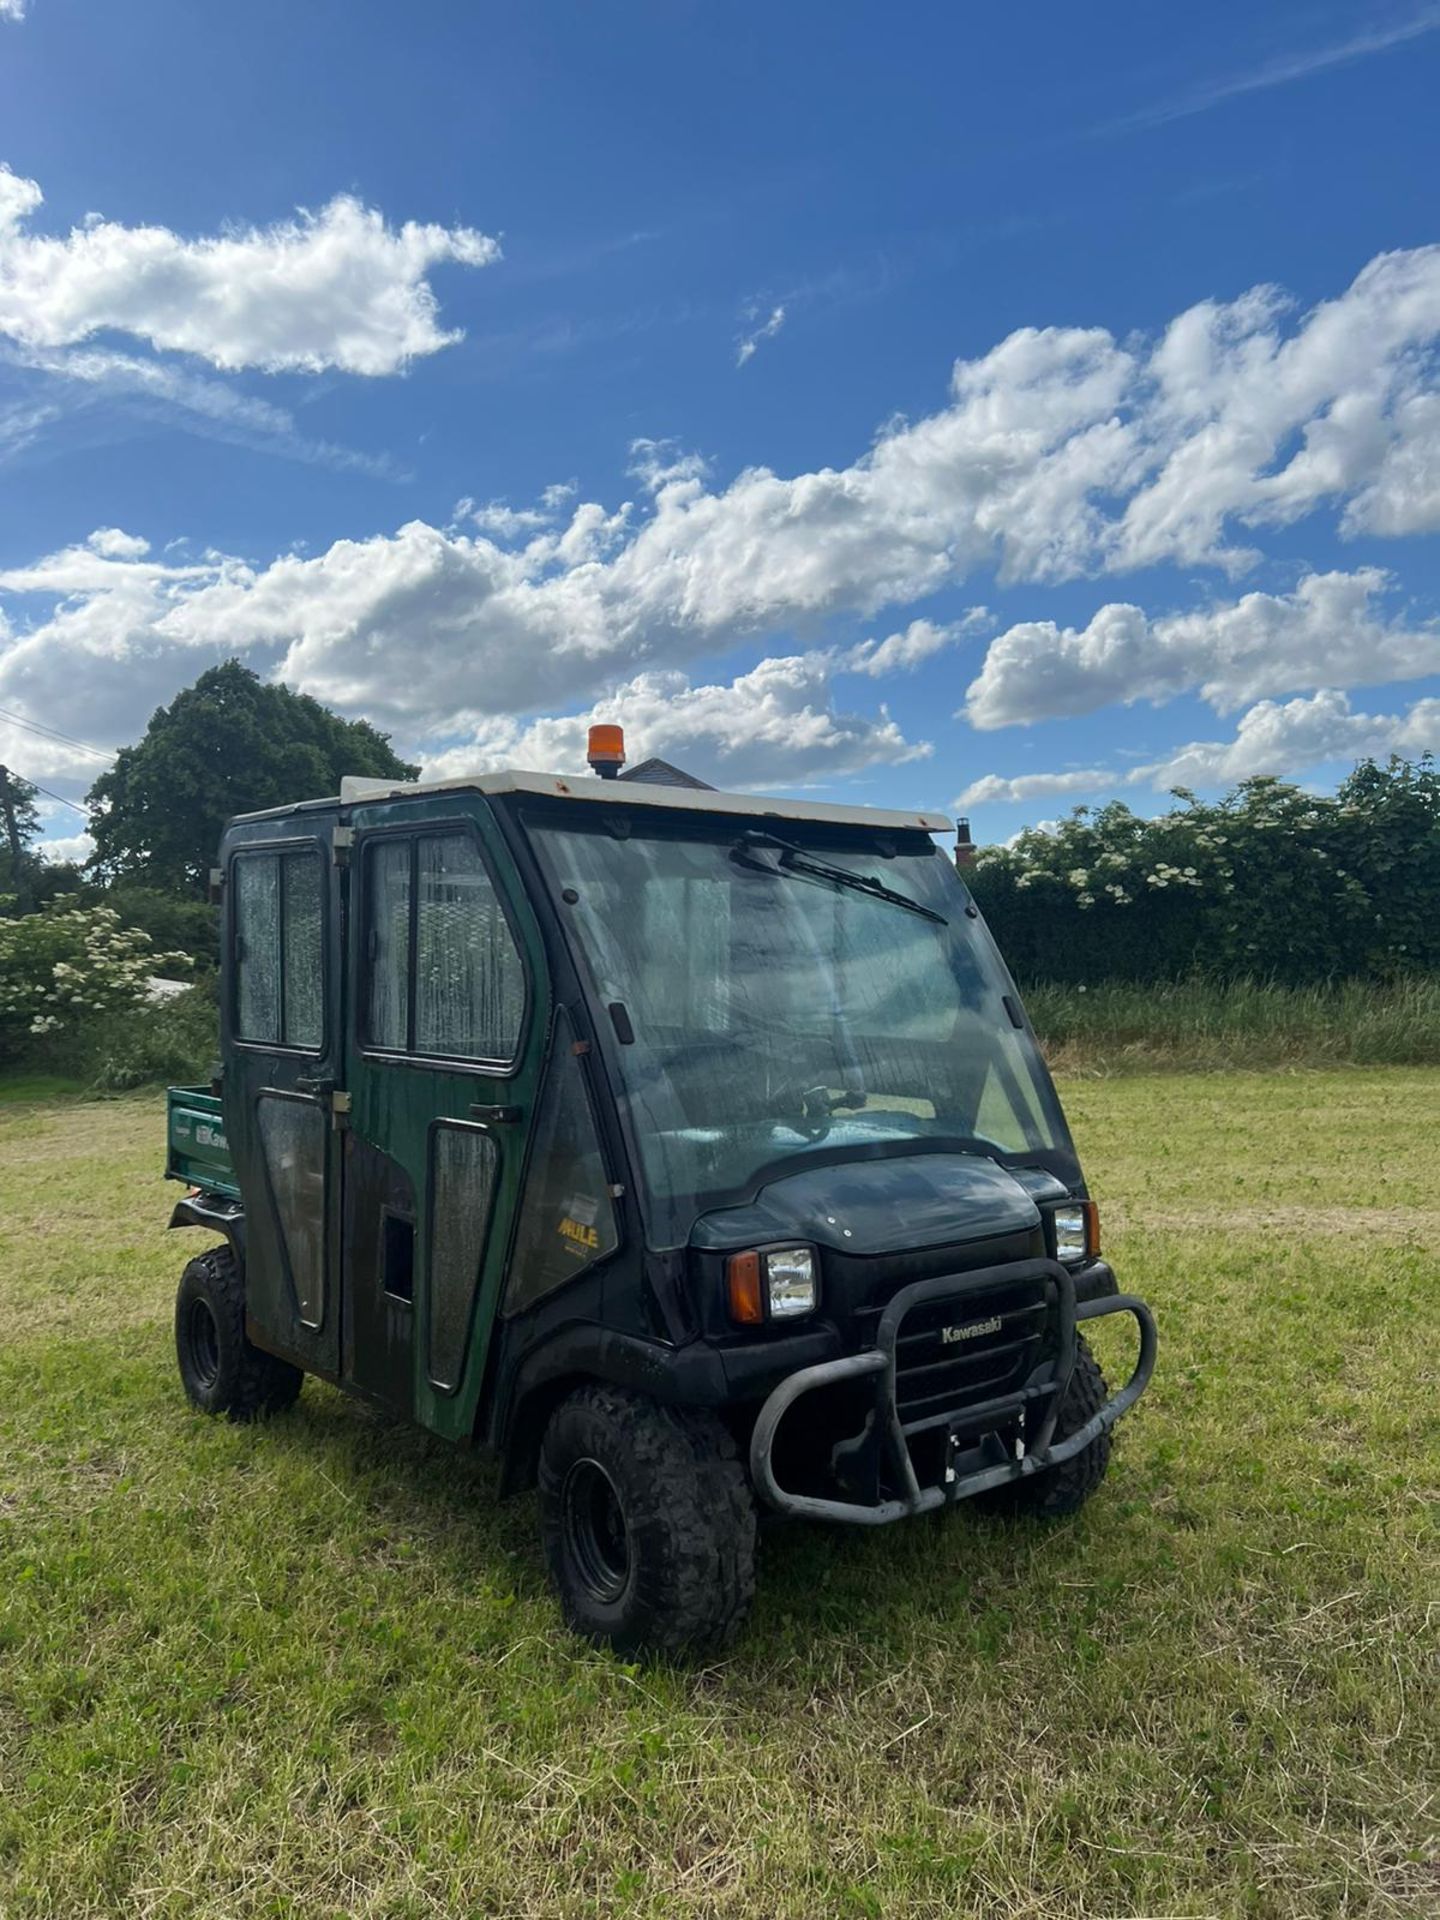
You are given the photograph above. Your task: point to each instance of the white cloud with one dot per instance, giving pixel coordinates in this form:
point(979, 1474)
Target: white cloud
point(1328, 632)
point(774, 726)
point(767, 330)
point(12, 10)
point(1270, 738)
point(995, 789)
point(1060, 453)
point(65, 847)
point(113, 543)
point(98, 665)
point(504, 522)
point(903, 651)
point(335, 289)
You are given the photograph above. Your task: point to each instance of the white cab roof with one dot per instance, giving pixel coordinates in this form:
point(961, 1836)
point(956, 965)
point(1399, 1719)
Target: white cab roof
point(636, 793)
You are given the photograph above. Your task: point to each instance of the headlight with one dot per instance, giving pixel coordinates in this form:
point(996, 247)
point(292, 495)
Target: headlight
point(790, 1282)
point(780, 1284)
point(1077, 1232)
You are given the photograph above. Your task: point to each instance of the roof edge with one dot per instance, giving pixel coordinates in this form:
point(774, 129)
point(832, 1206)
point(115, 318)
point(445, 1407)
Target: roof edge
point(355, 791)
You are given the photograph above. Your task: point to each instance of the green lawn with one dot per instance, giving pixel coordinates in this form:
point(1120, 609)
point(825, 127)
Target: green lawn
point(310, 1669)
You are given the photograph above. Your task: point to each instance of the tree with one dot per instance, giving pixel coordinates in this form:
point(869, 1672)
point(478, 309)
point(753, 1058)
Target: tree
point(19, 824)
point(230, 744)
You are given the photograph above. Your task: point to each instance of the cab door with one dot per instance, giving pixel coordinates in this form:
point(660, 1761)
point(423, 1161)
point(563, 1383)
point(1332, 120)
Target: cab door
point(281, 1043)
point(448, 1008)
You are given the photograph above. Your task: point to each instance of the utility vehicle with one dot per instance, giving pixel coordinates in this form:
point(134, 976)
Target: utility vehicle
point(690, 1150)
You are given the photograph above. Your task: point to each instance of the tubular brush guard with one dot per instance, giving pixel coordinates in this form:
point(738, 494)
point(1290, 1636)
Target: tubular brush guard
point(1045, 1387)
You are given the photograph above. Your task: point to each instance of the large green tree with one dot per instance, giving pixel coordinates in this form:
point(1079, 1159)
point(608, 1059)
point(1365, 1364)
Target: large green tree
point(230, 744)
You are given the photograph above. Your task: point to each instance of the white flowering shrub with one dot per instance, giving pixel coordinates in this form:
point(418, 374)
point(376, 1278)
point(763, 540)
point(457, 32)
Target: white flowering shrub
point(1270, 882)
point(61, 970)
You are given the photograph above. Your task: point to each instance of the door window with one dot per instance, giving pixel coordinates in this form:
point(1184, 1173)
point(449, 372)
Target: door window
point(446, 979)
point(388, 896)
point(567, 1215)
point(279, 949)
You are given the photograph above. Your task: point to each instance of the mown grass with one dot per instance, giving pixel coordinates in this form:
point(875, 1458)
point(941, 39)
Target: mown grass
point(1206, 1025)
point(310, 1668)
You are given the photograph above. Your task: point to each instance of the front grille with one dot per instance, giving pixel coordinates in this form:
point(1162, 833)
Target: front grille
point(997, 1337)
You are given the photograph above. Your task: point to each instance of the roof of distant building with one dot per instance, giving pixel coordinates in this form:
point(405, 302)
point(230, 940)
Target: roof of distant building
point(659, 773)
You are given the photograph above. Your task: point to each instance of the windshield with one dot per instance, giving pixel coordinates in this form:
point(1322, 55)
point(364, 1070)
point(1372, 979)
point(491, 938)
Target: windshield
point(763, 997)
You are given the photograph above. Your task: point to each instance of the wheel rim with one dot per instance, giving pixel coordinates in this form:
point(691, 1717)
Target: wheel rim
point(204, 1342)
point(596, 1536)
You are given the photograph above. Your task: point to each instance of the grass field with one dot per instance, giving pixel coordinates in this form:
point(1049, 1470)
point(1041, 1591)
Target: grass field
point(309, 1668)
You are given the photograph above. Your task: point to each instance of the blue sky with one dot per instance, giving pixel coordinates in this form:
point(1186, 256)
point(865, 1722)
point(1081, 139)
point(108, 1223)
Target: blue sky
point(998, 409)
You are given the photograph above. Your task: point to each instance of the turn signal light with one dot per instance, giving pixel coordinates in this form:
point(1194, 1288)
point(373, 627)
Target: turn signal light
point(780, 1283)
point(1091, 1211)
point(742, 1271)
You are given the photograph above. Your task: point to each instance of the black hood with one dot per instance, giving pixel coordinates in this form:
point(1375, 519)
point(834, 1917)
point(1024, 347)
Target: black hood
point(876, 1206)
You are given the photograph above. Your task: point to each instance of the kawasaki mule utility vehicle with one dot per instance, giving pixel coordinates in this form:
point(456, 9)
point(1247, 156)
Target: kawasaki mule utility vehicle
point(689, 1150)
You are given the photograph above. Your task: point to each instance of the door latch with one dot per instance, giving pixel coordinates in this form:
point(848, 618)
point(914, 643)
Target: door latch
point(496, 1116)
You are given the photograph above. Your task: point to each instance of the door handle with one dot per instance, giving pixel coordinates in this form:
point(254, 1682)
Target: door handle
point(496, 1116)
point(321, 1085)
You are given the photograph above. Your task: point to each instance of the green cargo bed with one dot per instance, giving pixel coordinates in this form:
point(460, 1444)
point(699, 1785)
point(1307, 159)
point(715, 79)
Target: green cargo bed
point(196, 1150)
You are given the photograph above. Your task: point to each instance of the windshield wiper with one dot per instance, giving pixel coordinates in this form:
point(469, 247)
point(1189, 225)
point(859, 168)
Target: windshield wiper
point(796, 860)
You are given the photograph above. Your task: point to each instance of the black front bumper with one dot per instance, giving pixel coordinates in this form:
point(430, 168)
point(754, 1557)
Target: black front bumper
point(988, 1463)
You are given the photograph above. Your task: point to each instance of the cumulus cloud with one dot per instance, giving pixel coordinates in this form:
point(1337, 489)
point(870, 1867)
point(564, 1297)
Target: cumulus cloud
point(903, 651)
point(1271, 738)
point(1060, 453)
point(1328, 632)
point(66, 847)
point(339, 289)
point(113, 543)
point(767, 330)
point(12, 9)
point(774, 726)
point(96, 665)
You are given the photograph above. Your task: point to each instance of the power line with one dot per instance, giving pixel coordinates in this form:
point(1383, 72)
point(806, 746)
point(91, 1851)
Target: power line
point(53, 796)
point(33, 726)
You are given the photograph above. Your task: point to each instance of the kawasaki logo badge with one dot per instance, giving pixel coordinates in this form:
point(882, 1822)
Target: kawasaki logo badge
point(949, 1336)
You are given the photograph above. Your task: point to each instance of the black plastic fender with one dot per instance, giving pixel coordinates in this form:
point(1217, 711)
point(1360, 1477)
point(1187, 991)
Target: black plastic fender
point(219, 1216)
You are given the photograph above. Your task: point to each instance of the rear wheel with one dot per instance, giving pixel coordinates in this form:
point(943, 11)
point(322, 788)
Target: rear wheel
point(648, 1523)
point(1066, 1488)
point(221, 1371)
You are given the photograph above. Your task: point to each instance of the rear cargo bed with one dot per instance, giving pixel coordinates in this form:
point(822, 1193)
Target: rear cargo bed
point(196, 1150)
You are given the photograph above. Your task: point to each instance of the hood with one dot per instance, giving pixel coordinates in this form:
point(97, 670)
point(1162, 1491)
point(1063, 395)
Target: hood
point(879, 1206)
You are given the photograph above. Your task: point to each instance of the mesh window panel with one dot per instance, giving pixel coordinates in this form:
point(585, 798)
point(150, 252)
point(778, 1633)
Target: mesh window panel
point(304, 953)
point(469, 987)
point(292, 1134)
point(257, 923)
point(567, 1218)
point(464, 1165)
point(388, 906)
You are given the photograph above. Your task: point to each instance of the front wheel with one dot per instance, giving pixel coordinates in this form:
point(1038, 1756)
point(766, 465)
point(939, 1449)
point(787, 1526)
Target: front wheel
point(1063, 1489)
point(648, 1523)
point(221, 1371)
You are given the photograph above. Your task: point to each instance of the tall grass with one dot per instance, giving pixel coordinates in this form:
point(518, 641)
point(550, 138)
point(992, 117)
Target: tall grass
point(1203, 1024)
